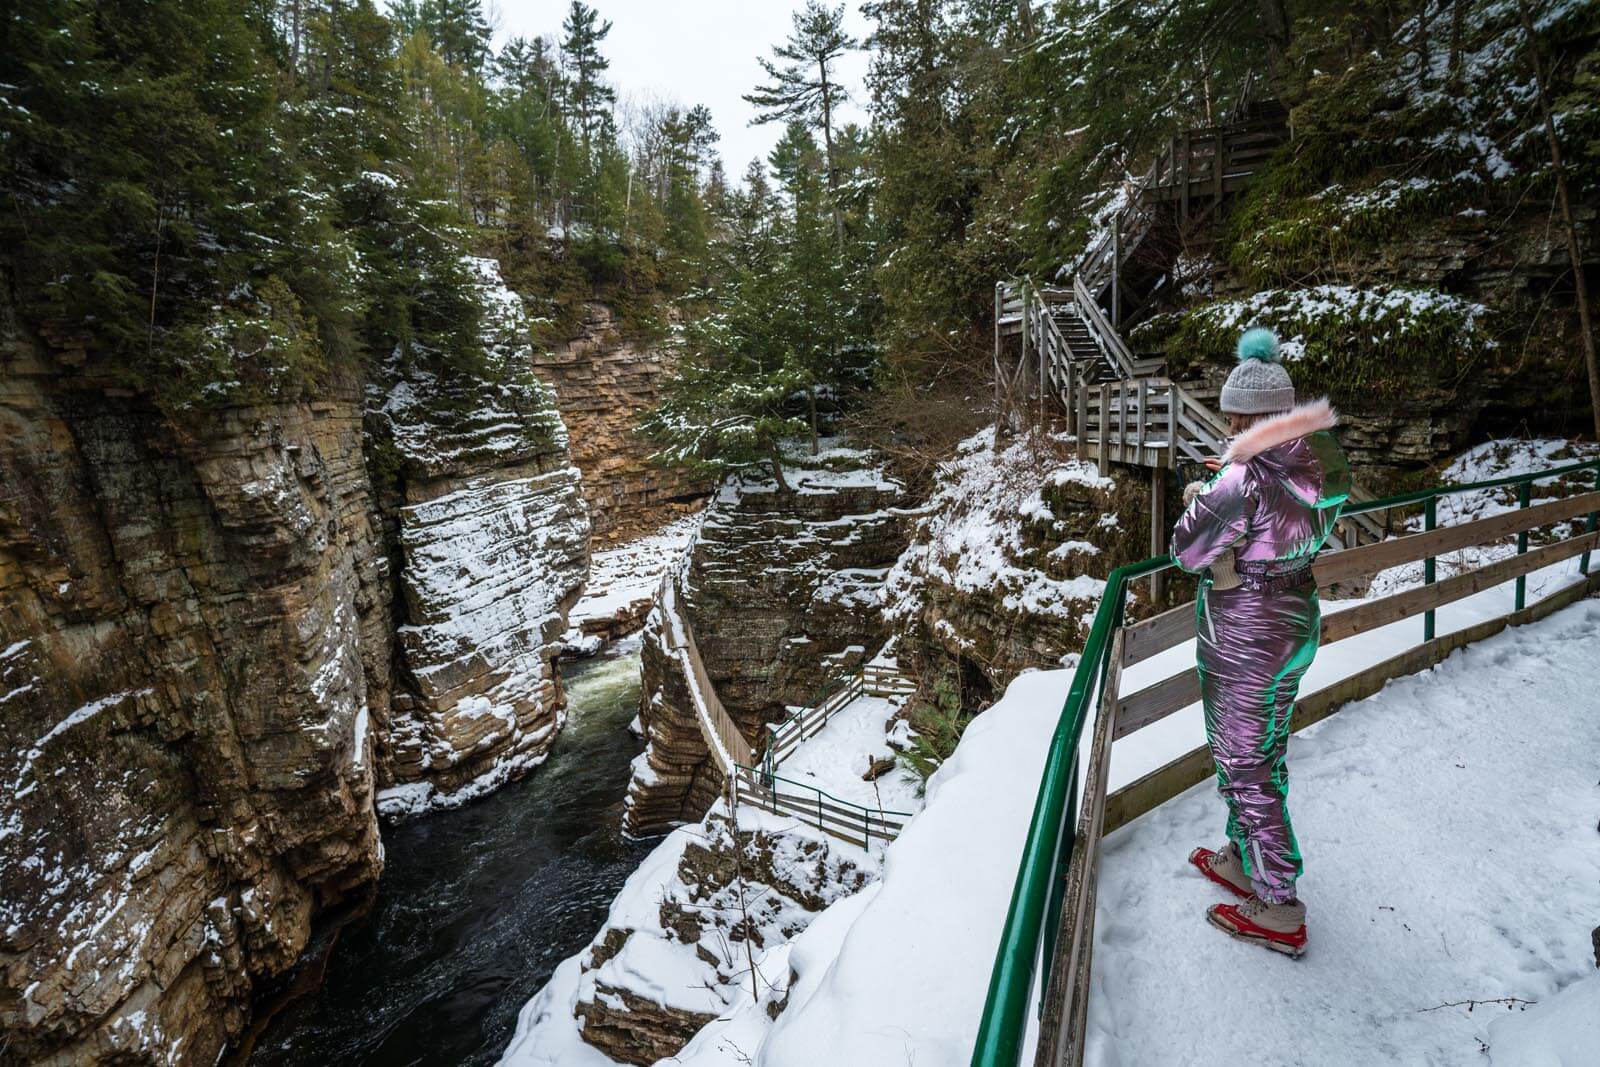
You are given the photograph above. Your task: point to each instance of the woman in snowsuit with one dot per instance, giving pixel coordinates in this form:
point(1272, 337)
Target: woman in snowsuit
point(1252, 532)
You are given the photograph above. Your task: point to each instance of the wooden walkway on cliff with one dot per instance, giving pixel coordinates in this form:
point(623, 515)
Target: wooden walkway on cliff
point(1071, 355)
point(750, 777)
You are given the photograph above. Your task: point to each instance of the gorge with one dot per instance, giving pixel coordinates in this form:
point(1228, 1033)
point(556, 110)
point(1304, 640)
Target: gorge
point(420, 456)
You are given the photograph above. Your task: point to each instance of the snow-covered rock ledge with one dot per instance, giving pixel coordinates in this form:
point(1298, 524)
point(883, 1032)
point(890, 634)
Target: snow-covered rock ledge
point(842, 987)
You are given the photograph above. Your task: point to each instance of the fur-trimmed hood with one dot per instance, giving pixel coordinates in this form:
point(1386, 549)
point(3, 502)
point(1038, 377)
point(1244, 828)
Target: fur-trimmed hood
point(1298, 422)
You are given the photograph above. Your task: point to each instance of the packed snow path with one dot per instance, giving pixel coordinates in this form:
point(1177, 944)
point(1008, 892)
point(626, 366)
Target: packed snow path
point(1448, 825)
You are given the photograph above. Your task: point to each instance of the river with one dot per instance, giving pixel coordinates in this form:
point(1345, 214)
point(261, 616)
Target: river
point(477, 907)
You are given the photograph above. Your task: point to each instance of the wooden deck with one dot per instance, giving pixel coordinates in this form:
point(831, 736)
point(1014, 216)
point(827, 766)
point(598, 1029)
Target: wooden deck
point(1063, 1026)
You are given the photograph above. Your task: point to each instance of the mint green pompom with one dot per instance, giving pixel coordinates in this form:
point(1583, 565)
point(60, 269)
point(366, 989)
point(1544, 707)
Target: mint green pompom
point(1259, 343)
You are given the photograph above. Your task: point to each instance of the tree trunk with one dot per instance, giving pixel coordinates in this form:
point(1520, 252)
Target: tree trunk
point(1278, 31)
point(1422, 45)
point(294, 57)
point(1458, 27)
point(827, 140)
point(811, 404)
point(1579, 283)
point(1025, 18)
point(777, 471)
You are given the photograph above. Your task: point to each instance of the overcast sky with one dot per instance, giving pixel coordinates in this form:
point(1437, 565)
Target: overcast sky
point(691, 52)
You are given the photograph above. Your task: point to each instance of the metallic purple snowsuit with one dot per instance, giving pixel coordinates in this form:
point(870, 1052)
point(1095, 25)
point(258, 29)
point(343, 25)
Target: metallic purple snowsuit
point(1274, 504)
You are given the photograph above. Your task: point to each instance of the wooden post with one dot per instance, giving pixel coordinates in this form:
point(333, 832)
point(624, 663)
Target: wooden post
point(1105, 430)
point(1116, 274)
point(1083, 417)
point(1122, 421)
point(999, 306)
point(1139, 417)
point(1524, 491)
point(1216, 177)
point(1071, 399)
point(1594, 519)
point(1044, 377)
point(1158, 531)
point(1172, 424)
point(1022, 364)
point(1430, 519)
point(1183, 180)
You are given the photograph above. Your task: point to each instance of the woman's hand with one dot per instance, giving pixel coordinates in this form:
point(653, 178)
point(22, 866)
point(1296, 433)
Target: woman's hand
point(1212, 465)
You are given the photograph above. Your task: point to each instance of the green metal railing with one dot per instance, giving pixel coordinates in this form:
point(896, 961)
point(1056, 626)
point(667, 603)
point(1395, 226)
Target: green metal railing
point(1036, 897)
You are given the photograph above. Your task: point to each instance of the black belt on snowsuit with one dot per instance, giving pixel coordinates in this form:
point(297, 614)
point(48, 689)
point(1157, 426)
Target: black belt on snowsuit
point(1259, 578)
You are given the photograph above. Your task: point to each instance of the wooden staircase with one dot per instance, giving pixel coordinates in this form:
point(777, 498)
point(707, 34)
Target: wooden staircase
point(1071, 352)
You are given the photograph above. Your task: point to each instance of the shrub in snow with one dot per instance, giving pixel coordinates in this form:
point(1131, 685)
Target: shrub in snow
point(1351, 342)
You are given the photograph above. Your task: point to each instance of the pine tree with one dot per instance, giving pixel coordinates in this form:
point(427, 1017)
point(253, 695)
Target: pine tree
point(802, 85)
point(589, 98)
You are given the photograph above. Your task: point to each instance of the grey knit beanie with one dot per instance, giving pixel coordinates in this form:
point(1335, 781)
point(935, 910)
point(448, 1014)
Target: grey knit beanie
point(1258, 385)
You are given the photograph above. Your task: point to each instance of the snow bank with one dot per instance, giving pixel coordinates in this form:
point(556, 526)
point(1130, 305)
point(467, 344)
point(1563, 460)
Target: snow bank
point(898, 973)
point(972, 540)
point(1563, 1031)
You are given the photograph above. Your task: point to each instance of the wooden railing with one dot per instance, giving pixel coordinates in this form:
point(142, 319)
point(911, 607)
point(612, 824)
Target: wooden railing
point(873, 679)
point(837, 818)
point(1053, 904)
point(762, 788)
point(1199, 165)
point(1136, 417)
point(726, 743)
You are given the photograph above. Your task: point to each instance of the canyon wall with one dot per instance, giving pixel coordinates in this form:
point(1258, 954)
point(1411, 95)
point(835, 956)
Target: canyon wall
point(782, 590)
point(220, 637)
point(492, 540)
point(603, 382)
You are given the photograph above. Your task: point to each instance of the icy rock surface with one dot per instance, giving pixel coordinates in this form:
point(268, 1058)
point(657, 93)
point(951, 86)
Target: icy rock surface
point(1008, 560)
point(493, 538)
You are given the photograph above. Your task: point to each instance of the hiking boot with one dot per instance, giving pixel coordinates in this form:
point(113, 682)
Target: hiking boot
point(1224, 868)
point(1280, 927)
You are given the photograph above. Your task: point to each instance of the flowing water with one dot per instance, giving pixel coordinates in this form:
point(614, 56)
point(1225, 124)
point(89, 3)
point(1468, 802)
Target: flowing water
point(478, 906)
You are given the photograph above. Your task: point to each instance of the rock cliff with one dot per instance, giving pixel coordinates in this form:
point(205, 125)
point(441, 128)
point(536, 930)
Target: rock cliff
point(218, 639)
point(1007, 561)
point(492, 538)
point(782, 590)
point(602, 383)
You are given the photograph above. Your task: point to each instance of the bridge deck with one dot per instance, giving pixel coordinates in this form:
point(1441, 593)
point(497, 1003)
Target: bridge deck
point(1421, 890)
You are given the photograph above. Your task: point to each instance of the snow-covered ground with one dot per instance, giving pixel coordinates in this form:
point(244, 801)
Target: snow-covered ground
point(835, 758)
point(1451, 856)
point(624, 579)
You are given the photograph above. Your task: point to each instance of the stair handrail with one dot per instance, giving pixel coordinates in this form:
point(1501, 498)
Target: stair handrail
point(1105, 336)
point(1040, 890)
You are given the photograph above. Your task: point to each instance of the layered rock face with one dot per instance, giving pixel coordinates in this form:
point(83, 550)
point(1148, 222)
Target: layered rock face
point(782, 591)
point(602, 384)
point(1006, 566)
point(493, 544)
point(218, 640)
point(194, 646)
